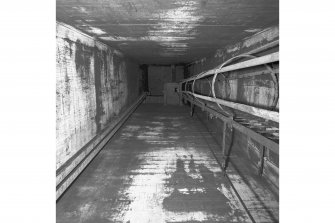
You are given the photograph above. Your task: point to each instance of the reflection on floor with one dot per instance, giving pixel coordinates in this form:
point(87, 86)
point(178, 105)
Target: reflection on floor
point(157, 168)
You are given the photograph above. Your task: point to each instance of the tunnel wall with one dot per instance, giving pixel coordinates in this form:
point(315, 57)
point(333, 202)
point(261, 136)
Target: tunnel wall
point(94, 85)
point(158, 75)
point(257, 91)
point(221, 55)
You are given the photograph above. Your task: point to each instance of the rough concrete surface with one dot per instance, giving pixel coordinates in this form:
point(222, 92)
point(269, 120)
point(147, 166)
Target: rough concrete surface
point(169, 31)
point(94, 83)
point(237, 47)
point(159, 75)
point(158, 168)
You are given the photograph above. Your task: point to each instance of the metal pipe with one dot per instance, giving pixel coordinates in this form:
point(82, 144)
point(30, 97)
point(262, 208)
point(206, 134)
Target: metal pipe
point(263, 113)
point(222, 65)
point(273, 146)
point(270, 58)
point(259, 112)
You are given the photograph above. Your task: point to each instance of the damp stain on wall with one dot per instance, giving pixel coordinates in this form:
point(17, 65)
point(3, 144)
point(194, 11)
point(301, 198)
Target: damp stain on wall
point(91, 89)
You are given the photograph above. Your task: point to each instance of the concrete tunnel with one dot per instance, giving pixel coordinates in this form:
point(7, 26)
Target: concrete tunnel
point(167, 111)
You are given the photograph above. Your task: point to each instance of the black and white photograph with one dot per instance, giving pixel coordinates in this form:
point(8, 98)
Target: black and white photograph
point(167, 111)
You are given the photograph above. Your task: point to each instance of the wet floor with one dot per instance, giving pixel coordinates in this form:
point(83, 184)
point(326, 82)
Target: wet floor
point(157, 168)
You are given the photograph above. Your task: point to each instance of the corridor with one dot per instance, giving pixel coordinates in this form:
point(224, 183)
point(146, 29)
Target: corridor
point(159, 167)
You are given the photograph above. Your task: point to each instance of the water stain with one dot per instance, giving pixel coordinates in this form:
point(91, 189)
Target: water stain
point(83, 56)
point(197, 195)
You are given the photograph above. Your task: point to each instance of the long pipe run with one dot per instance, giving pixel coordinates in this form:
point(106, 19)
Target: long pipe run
point(270, 58)
point(263, 60)
point(259, 112)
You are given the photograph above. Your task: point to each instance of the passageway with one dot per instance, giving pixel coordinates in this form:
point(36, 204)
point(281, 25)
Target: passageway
point(159, 167)
point(167, 111)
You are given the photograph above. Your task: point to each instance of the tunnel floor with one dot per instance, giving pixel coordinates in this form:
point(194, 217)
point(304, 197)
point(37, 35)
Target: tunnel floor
point(157, 168)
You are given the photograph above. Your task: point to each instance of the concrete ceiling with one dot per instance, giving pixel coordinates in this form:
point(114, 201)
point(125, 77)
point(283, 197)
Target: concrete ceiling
point(168, 31)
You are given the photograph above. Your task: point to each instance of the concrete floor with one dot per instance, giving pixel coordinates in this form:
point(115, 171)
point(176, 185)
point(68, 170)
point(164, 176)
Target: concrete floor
point(157, 168)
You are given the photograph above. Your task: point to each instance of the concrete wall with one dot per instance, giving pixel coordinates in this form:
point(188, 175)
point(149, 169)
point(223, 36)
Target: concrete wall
point(95, 84)
point(180, 74)
point(250, 43)
point(158, 75)
point(257, 91)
